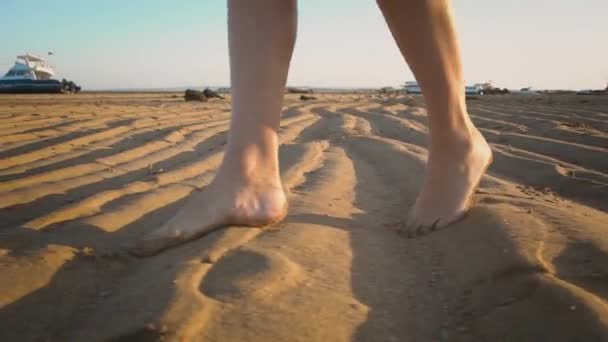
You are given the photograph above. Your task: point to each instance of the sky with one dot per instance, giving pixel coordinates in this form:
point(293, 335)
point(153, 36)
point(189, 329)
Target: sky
point(109, 44)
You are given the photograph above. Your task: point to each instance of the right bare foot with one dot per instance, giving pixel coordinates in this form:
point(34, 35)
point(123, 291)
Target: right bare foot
point(452, 175)
point(222, 203)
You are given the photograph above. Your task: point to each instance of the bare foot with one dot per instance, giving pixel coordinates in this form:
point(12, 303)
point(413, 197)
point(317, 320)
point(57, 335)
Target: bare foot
point(220, 204)
point(452, 175)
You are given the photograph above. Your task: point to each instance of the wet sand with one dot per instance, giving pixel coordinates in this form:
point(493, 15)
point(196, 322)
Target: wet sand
point(83, 176)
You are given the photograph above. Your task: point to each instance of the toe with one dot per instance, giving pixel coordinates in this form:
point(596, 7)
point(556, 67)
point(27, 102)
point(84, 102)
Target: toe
point(456, 217)
point(416, 228)
point(432, 227)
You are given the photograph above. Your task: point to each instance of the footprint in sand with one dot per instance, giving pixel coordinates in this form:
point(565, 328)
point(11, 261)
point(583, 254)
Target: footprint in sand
point(250, 273)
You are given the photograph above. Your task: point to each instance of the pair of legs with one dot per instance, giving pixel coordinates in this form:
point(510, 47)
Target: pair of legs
point(247, 189)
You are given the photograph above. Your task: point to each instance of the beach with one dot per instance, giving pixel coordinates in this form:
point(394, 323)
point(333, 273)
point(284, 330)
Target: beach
point(84, 176)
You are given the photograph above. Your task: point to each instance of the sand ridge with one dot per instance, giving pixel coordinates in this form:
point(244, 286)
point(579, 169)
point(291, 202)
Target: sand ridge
point(83, 176)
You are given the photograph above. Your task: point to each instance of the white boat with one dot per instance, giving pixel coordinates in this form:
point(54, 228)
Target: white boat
point(412, 87)
point(32, 74)
point(476, 89)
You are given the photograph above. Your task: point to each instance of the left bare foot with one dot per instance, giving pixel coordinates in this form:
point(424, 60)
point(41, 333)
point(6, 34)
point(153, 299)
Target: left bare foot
point(226, 201)
point(452, 174)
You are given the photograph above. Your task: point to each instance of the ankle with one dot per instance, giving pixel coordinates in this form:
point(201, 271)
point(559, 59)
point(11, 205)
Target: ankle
point(250, 165)
point(249, 172)
point(453, 138)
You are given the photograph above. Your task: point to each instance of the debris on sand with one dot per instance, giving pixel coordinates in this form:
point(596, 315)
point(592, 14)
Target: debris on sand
point(307, 98)
point(69, 87)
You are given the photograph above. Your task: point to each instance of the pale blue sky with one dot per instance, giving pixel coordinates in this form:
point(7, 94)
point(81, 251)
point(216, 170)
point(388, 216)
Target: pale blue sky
point(160, 43)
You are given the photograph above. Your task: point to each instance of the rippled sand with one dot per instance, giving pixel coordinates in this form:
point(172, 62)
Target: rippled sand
point(83, 176)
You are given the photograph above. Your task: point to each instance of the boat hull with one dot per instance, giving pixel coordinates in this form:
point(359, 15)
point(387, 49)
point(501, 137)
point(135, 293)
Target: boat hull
point(30, 86)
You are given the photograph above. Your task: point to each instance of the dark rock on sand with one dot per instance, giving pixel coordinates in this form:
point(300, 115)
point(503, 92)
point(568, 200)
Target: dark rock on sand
point(195, 95)
point(212, 94)
point(307, 98)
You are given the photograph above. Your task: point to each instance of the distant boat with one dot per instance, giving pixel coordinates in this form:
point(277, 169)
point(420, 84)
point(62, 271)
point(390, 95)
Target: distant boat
point(296, 90)
point(31, 74)
point(476, 89)
point(412, 87)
